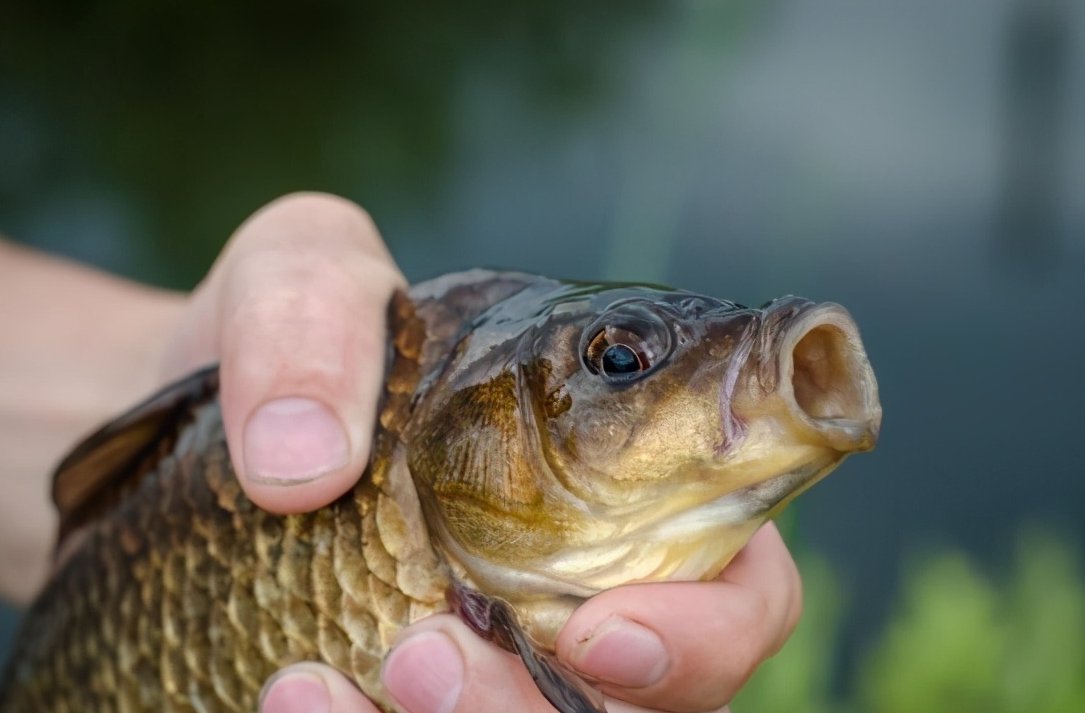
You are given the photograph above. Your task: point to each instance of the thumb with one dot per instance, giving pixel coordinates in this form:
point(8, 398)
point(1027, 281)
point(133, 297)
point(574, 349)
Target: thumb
point(296, 308)
point(308, 687)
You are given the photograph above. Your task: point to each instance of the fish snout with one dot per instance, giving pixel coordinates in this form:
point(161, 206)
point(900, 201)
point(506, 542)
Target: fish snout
point(826, 380)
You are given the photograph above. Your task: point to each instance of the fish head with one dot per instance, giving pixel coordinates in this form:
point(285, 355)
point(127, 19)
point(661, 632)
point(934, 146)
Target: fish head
point(602, 434)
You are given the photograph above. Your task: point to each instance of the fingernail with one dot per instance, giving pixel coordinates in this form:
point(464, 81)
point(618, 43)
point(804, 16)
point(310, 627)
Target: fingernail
point(622, 652)
point(296, 693)
point(424, 674)
point(293, 440)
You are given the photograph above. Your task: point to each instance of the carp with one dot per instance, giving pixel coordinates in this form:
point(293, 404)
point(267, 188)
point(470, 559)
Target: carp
point(539, 441)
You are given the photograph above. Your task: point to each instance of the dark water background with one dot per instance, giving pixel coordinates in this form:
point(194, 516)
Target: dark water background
point(922, 163)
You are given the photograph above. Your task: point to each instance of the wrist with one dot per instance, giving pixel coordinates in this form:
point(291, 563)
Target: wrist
point(77, 347)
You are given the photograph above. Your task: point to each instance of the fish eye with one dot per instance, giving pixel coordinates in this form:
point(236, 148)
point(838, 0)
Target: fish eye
point(629, 340)
point(621, 359)
point(618, 355)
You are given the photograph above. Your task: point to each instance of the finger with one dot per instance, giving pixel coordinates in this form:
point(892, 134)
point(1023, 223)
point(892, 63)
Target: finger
point(440, 666)
point(688, 646)
point(299, 297)
point(765, 566)
point(307, 687)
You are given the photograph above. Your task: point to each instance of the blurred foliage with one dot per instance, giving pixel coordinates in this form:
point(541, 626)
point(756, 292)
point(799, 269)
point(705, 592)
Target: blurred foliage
point(959, 640)
point(197, 112)
point(181, 118)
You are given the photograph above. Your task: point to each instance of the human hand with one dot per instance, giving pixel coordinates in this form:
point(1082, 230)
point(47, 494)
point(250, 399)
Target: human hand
point(294, 312)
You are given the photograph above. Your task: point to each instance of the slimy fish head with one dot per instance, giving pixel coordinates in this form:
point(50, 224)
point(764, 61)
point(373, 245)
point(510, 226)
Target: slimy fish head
point(581, 436)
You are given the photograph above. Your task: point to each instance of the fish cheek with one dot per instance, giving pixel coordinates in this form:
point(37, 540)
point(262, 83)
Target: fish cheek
point(581, 418)
point(472, 444)
point(470, 450)
point(514, 536)
point(596, 428)
point(642, 431)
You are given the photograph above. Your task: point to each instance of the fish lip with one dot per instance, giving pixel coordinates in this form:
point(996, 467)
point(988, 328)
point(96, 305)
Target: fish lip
point(859, 431)
point(773, 321)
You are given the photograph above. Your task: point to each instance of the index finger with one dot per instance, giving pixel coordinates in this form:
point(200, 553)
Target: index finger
point(688, 646)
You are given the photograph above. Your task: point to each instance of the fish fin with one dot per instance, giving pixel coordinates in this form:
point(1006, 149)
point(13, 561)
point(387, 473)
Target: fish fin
point(564, 688)
point(495, 620)
point(87, 478)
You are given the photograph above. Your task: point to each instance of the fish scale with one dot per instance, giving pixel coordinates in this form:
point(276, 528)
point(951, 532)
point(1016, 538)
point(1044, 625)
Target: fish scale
point(207, 595)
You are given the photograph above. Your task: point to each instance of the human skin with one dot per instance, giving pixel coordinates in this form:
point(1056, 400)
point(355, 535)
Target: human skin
point(293, 309)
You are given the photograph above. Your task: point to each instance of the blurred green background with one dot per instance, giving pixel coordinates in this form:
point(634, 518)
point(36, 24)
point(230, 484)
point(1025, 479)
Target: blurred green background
point(922, 163)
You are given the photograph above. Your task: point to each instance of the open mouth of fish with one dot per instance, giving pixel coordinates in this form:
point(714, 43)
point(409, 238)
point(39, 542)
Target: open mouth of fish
point(827, 381)
point(822, 377)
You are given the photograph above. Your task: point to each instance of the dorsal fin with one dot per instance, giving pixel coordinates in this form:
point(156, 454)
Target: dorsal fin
point(89, 478)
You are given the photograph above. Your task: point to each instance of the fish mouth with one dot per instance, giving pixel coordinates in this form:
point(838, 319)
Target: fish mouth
point(826, 380)
point(811, 370)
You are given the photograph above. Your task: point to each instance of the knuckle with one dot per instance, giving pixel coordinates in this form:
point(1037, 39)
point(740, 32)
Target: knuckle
point(281, 309)
point(304, 224)
point(305, 204)
point(794, 605)
point(749, 641)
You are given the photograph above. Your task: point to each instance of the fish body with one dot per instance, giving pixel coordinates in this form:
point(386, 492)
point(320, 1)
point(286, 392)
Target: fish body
point(538, 442)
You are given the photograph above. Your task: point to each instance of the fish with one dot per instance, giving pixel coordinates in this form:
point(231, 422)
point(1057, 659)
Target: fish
point(539, 441)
